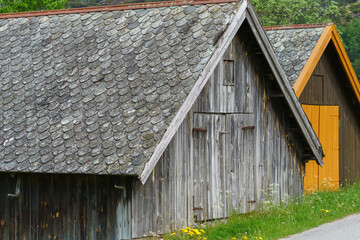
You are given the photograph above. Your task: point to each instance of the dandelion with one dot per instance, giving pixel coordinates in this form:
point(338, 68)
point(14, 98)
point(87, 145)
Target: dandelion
point(245, 237)
point(260, 238)
point(202, 231)
point(233, 238)
point(173, 234)
point(327, 211)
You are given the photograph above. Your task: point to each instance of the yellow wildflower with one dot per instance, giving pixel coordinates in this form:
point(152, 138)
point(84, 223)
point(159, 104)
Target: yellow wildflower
point(260, 238)
point(326, 210)
point(173, 234)
point(245, 237)
point(202, 231)
point(233, 238)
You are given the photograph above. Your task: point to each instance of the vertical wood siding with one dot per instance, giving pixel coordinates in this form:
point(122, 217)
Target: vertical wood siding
point(65, 207)
point(164, 203)
point(328, 86)
point(233, 145)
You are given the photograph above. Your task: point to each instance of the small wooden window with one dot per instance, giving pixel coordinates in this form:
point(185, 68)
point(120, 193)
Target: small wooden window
point(229, 78)
point(318, 85)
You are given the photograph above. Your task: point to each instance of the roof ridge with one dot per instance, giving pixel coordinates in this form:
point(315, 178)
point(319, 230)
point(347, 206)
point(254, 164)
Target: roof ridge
point(112, 8)
point(296, 26)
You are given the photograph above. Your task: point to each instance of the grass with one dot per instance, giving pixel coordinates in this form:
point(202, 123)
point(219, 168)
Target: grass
point(276, 221)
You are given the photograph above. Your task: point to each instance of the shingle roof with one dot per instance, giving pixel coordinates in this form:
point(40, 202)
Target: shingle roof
point(293, 46)
point(95, 92)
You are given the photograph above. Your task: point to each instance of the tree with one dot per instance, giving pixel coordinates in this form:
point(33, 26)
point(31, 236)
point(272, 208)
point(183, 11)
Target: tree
point(350, 35)
point(280, 12)
point(9, 6)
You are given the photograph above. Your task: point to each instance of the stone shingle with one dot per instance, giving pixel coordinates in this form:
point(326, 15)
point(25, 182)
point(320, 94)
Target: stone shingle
point(95, 92)
point(293, 48)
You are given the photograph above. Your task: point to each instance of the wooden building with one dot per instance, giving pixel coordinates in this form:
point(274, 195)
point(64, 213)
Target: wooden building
point(120, 121)
point(317, 66)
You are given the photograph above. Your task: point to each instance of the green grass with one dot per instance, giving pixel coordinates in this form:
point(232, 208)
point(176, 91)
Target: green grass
point(276, 221)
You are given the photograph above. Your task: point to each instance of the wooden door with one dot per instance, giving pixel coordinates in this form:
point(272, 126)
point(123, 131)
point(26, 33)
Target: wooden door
point(208, 167)
point(325, 122)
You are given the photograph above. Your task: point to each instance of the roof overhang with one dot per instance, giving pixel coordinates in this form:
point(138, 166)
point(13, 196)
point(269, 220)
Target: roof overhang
point(329, 34)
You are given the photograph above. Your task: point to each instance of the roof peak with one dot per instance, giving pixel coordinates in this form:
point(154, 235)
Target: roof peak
point(132, 6)
point(297, 26)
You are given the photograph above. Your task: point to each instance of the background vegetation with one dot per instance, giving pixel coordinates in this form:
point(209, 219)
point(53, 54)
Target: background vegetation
point(9, 6)
point(344, 13)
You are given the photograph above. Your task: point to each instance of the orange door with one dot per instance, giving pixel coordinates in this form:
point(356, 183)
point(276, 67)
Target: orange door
point(325, 121)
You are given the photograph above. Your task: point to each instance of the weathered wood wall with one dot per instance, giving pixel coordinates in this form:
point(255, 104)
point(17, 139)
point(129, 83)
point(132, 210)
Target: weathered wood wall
point(328, 86)
point(234, 143)
point(54, 206)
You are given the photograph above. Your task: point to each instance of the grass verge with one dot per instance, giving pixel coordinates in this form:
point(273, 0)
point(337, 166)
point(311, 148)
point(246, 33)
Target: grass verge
point(276, 221)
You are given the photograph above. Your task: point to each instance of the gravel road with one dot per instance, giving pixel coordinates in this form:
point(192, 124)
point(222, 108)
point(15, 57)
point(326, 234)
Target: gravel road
point(347, 228)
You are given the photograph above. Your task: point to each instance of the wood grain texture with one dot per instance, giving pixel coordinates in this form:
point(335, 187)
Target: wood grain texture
point(65, 207)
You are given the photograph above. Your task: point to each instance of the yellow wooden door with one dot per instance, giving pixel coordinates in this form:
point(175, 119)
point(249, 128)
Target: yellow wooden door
point(325, 121)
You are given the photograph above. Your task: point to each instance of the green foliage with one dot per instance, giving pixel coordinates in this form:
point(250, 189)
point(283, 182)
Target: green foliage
point(281, 220)
point(280, 12)
point(350, 35)
point(9, 6)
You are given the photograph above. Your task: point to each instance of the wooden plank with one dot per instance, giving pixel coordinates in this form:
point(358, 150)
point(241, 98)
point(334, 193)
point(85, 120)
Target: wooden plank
point(312, 61)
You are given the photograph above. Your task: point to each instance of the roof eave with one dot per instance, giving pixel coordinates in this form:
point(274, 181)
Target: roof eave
point(329, 34)
point(290, 96)
point(132, 6)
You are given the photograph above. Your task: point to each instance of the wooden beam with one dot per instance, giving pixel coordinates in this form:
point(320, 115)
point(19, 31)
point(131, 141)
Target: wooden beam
point(311, 63)
point(199, 129)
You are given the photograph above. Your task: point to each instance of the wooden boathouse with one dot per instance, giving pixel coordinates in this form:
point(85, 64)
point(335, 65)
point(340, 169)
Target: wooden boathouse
point(120, 121)
point(317, 66)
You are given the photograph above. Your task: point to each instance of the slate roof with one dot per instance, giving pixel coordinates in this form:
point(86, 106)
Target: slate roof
point(293, 46)
point(94, 92)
